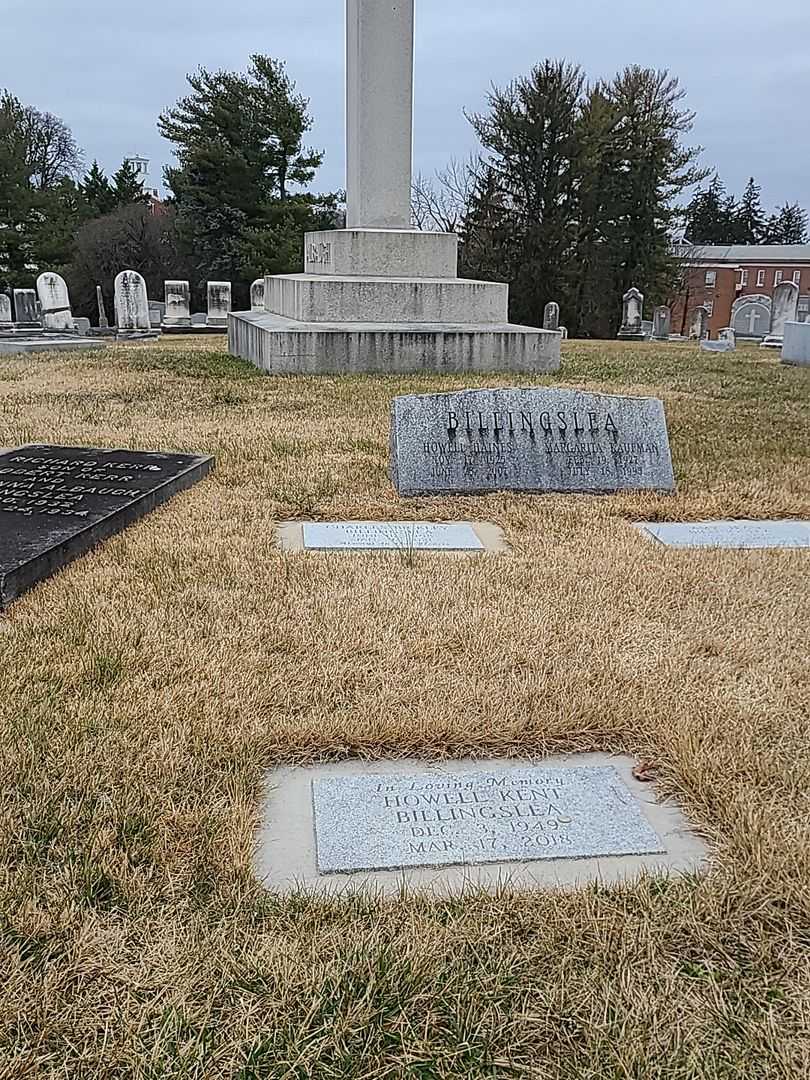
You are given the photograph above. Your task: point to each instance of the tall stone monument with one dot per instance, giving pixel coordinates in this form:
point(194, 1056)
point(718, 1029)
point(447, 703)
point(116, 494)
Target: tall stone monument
point(785, 309)
point(379, 295)
point(55, 302)
point(632, 315)
point(103, 321)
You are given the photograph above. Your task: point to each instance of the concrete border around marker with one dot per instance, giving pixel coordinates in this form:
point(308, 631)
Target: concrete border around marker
point(285, 855)
point(290, 537)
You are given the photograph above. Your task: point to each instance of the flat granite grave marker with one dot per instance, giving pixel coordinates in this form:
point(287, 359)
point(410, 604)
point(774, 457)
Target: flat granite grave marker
point(403, 536)
point(730, 534)
point(511, 815)
point(57, 502)
point(528, 439)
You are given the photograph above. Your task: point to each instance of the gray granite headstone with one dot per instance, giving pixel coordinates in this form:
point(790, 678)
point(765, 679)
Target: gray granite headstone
point(5, 309)
point(730, 534)
point(662, 323)
point(520, 814)
point(529, 439)
point(25, 307)
point(551, 316)
point(390, 536)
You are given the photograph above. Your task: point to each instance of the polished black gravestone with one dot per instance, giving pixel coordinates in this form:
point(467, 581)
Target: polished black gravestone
point(57, 502)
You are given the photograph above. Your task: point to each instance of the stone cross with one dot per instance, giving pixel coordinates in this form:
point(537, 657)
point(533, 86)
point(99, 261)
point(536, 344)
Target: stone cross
point(103, 321)
point(178, 303)
point(55, 302)
point(551, 316)
point(257, 295)
point(379, 113)
point(219, 303)
point(131, 302)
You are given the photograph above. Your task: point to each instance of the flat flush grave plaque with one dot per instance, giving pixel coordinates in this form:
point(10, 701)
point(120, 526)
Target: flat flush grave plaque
point(57, 502)
point(731, 534)
point(394, 536)
point(533, 439)
point(514, 815)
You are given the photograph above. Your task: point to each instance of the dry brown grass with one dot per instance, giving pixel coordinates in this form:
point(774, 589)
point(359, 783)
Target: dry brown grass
point(146, 690)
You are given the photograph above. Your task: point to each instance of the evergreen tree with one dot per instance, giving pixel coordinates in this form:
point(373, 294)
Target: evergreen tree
point(530, 135)
point(749, 218)
point(238, 140)
point(97, 191)
point(787, 226)
point(127, 189)
point(710, 216)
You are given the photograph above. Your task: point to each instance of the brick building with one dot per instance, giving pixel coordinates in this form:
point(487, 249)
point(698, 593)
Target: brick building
point(736, 284)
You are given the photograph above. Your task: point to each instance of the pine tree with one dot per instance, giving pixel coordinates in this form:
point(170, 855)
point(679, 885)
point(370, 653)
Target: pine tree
point(787, 226)
point(531, 139)
point(97, 191)
point(710, 216)
point(238, 139)
point(127, 189)
point(749, 217)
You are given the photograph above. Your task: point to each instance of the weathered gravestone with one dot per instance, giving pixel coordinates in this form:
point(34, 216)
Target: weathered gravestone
point(219, 303)
point(5, 310)
point(730, 534)
point(728, 334)
point(131, 303)
point(632, 316)
point(699, 325)
point(57, 502)
point(530, 439)
point(257, 295)
point(785, 309)
point(178, 304)
point(55, 303)
point(723, 346)
point(796, 349)
point(551, 316)
point(25, 308)
point(662, 324)
point(157, 309)
point(103, 321)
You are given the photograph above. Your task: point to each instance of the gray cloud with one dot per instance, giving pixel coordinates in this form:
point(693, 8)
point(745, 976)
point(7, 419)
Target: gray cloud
point(108, 70)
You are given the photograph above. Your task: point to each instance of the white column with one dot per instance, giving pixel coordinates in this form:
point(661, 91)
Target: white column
point(379, 113)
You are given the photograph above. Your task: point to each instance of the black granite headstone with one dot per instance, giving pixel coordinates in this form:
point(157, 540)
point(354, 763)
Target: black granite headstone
point(57, 502)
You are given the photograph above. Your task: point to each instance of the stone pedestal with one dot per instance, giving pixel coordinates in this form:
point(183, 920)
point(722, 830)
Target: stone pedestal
point(379, 296)
point(386, 301)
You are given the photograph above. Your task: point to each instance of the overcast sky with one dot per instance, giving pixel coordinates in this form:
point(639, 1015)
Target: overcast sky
point(108, 69)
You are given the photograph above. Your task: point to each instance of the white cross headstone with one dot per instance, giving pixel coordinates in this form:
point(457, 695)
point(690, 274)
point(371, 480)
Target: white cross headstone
point(131, 303)
point(55, 302)
point(379, 111)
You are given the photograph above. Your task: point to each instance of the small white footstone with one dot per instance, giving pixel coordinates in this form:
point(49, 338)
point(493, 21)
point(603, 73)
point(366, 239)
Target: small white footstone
point(730, 534)
point(390, 536)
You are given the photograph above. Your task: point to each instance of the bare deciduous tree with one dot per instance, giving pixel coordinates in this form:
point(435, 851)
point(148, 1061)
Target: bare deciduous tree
point(440, 203)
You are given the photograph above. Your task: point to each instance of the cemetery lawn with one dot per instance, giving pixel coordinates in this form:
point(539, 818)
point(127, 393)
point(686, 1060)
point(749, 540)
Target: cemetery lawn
point(148, 688)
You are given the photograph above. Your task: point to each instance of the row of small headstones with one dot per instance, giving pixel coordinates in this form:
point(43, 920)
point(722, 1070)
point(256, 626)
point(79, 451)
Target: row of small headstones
point(48, 306)
point(784, 309)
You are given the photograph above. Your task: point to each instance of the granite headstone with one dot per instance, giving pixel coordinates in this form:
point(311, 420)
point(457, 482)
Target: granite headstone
point(219, 303)
point(531, 439)
point(131, 303)
point(57, 502)
point(365, 822)
point(551, 316)
point(257, 295)
point(662, 323)
point(784, 310)
point(25, 308)
point(390, 536)
point(5, 310)
point(796, 348)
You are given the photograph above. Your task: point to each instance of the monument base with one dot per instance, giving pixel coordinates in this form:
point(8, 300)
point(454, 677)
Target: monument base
point(283, 346)
point(772, 342)
point(796, 349)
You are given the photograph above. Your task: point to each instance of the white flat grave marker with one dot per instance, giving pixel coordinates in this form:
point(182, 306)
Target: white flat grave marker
point(471, 537)
point(393, 536)
point(730, 534)
point(510, 815)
